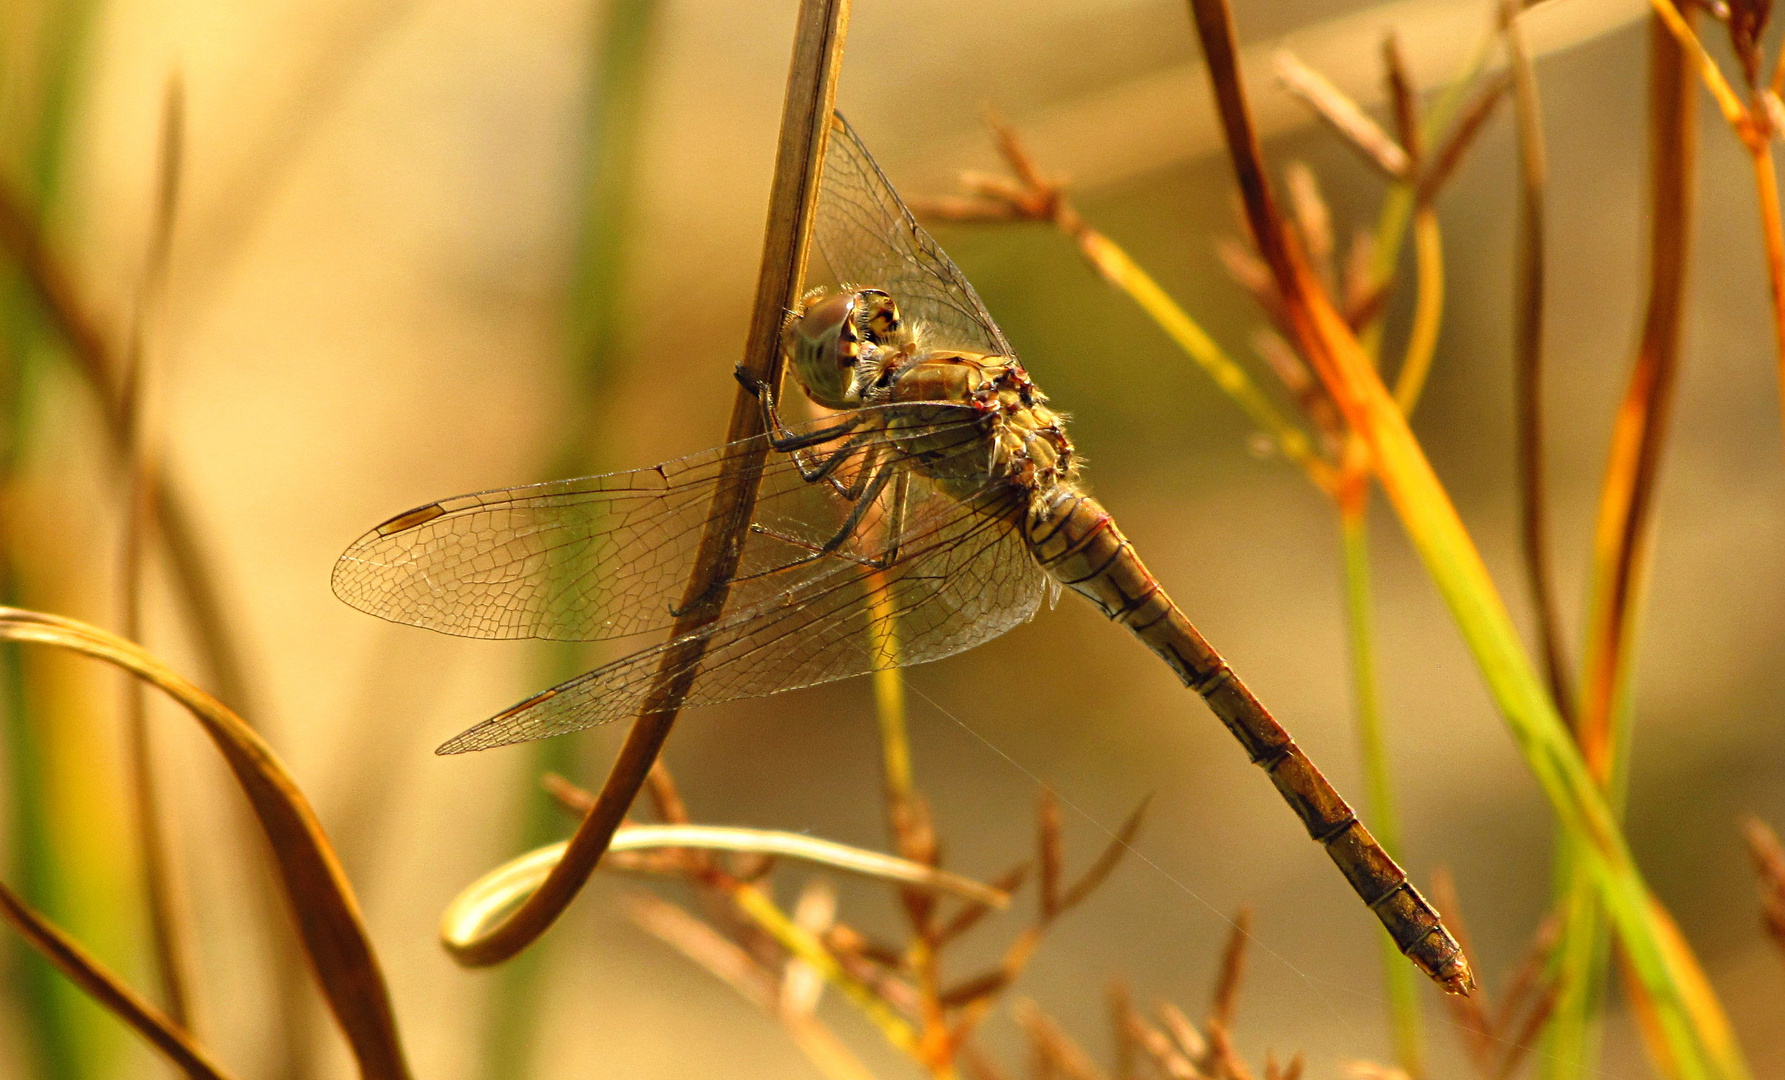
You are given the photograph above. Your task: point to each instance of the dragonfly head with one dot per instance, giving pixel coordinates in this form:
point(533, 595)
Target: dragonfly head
point(840, 344)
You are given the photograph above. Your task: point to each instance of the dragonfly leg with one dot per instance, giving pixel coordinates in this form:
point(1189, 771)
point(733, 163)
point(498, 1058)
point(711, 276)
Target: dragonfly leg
point(881, 476)
point(786, 441)
point(779, 437)
point(825, 469)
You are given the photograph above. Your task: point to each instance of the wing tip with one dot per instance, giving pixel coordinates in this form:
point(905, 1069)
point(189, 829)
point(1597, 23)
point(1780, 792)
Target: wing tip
point(487, 735)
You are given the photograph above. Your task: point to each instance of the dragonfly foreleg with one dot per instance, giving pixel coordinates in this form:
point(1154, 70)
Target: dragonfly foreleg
point(779, 436)
point(790, 443)
point(880, 476)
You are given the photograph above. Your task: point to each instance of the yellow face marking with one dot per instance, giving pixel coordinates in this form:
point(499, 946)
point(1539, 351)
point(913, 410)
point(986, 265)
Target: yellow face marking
point(409, 520)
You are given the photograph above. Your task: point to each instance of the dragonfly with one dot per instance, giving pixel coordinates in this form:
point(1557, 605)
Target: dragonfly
point(936, 504)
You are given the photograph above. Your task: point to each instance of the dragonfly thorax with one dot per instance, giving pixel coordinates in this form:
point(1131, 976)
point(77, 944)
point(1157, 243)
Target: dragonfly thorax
point(844, 345)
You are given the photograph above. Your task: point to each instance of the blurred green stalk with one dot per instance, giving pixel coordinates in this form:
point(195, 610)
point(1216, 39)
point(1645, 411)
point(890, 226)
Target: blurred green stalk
point(593, 345)
point(70, 1037)
point(1379, 805)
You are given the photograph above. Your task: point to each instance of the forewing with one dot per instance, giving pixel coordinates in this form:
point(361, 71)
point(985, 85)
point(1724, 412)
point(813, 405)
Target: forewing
point(964, 576)
point(871, 240)
point(609, 556)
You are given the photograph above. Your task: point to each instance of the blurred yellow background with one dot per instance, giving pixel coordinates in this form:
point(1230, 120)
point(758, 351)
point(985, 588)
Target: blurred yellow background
point(367, 310)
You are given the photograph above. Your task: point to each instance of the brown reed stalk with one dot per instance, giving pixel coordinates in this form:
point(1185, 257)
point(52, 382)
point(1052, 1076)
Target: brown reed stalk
point(1528, 381)
point(805, 118)
point(163, 1032)
point(169, 930)
point(321, 900)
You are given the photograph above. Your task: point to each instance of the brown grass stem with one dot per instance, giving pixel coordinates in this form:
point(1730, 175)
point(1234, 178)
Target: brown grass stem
point(165, 1034)
point(169, 929)
point(805, 122)
point(1626, 503)
point(321, 899)
point(1527, 311)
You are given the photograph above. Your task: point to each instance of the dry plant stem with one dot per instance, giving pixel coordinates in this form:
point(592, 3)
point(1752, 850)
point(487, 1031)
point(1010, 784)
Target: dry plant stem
point(735, 967)
point(165, 1034)
point(751, 901)
point(1528, 360)
point(478, 904)
point(1691, 1019)
point(169, 930)
point(321, 900)
point(805, 117)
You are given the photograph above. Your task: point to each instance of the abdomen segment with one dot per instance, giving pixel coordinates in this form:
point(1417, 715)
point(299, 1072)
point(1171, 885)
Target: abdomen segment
point(1076, 542)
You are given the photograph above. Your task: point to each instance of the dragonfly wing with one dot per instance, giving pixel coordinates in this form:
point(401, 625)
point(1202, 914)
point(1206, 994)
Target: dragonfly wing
point(609, 556)
point(963, 576)
point(871, 240)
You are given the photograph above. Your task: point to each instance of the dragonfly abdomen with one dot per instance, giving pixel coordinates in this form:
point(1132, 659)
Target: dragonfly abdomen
point(1077, 542)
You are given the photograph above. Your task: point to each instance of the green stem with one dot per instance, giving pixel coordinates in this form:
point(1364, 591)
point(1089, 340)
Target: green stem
point(592, 345)
point(1379, 807)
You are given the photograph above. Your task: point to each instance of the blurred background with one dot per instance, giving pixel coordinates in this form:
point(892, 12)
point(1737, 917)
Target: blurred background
point(412, 259)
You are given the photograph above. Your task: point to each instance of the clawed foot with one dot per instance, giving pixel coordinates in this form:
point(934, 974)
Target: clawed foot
point(749, 382)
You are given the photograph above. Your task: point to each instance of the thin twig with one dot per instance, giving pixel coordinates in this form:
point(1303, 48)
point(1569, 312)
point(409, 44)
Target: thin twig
point(1428, 309)
point(805, 123)
point(1403, 99)
point(1443, 163)
point(1233, 971)
point(1343, 115)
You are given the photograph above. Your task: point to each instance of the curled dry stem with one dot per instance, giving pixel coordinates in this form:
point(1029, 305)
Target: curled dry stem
point(485, 901)
point(327, 915)
point(805, 124)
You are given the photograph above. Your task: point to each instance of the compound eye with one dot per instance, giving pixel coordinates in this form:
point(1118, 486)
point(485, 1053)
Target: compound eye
point(829, 318)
